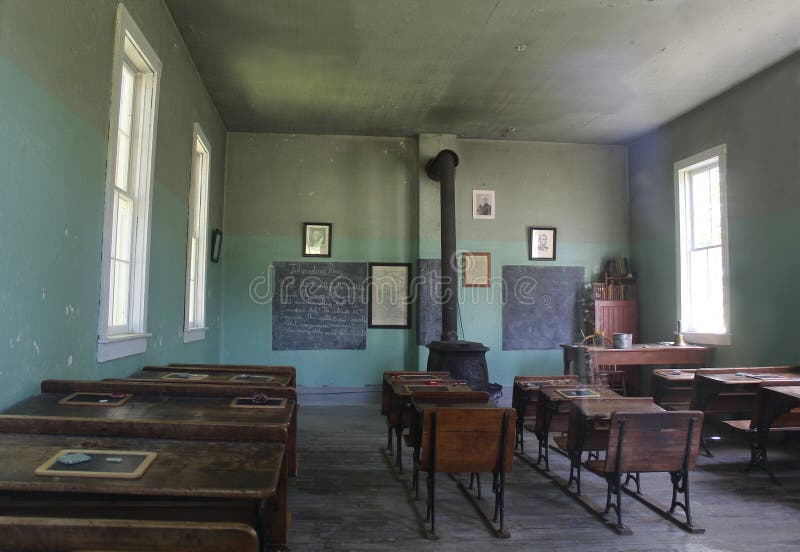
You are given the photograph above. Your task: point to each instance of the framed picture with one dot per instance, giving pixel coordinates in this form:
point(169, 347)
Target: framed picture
point(542, 244)
point(317, 238)
point(216, 245)
point(483, 206)
point(389, 295)
point(476, 269)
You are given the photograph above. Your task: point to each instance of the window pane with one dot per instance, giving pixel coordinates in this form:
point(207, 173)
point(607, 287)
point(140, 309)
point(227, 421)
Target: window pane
point(123, 227)
point(192, 282)
point(123, 161)
point(120, 287)
point(706, 220)
point(706, 293)
point(126, 100)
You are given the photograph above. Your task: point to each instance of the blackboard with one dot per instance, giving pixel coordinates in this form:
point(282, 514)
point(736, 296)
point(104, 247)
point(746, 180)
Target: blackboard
point(319, 306)
point(429, 306)
point(541, 306)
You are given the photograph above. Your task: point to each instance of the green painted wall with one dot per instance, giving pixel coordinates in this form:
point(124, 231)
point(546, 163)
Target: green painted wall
point(384, 209)
point(55, 70)
point(759, 121)
point(274, 184)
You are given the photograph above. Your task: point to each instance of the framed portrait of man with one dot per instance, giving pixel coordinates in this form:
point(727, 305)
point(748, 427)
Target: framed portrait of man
point(541, 244)
point(317, 238)
point(483, 206)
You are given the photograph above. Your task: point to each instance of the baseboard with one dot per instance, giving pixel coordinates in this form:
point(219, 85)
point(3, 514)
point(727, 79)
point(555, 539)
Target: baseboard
point(366, 394)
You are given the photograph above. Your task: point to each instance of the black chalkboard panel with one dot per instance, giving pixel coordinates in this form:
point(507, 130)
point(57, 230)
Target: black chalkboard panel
point(429, 305)
point(540, 306)
point(319, 306)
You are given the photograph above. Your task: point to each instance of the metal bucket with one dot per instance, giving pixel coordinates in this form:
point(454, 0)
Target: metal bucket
point(623, 340)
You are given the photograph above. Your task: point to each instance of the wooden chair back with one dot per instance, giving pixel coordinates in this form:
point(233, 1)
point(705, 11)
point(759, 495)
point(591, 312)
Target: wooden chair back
point(62, 535)
point(653, 442)
point(465, 440)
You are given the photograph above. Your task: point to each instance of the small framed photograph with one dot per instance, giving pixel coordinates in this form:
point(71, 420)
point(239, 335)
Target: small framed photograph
point(317, 238)
point(476, 269)
point(483, 206)
point(389, 295)
point(541, 244)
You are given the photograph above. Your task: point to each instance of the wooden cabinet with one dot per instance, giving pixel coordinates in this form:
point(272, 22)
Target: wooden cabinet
point(616, 317)
point(615, 306)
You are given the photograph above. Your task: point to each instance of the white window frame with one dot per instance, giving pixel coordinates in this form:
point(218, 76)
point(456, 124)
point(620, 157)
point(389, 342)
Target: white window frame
point(132, 48)
point(200, 175)
point(683, 169)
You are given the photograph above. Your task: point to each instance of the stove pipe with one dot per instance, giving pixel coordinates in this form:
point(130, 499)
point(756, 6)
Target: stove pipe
point(442, 168)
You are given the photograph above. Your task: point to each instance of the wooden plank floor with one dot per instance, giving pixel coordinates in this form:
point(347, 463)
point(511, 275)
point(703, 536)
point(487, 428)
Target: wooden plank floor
point(347, 498)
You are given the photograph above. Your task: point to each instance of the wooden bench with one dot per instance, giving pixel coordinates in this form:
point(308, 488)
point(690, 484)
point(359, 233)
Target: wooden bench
point(465, 440)
point(186, 390)
point(774, 411)
point(640, 442)
point(34, 534)
point(525, 397)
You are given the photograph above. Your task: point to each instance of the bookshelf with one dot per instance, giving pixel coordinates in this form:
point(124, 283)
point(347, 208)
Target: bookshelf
point(615, 301)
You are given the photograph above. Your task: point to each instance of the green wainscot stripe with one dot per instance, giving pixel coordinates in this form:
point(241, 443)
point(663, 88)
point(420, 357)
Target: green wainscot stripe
point(247, 312)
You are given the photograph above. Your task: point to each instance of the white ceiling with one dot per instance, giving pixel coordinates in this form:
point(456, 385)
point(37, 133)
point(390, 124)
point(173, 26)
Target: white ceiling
point(592, 71)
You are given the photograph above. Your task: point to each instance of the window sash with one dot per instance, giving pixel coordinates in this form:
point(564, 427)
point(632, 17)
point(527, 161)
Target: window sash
point(123, 301)
point(702, 239)
point(197, 234)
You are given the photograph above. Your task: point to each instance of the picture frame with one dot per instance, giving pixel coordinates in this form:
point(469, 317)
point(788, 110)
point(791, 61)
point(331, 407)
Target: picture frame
point(216, 244)
point(476, 269)
point(483, 204)
point(389, 286)
point(317, 239)
point(541, 243)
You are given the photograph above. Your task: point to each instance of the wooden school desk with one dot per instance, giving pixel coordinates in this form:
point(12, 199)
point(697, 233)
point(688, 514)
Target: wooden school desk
point(588, 426)
point(553, 412)
point(178, 375)
point(238, 368)
point(400, 399)
point(525, 396)
point(200, 404)
point(777, 407)
point(215, 475)
point(462, 432)
point(644, 354)
point(735, 390)
point(392, 376)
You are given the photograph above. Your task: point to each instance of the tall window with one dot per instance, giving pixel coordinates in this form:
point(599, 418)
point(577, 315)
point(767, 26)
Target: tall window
point(129, 174)
point(194, 327)
point(703, 247)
